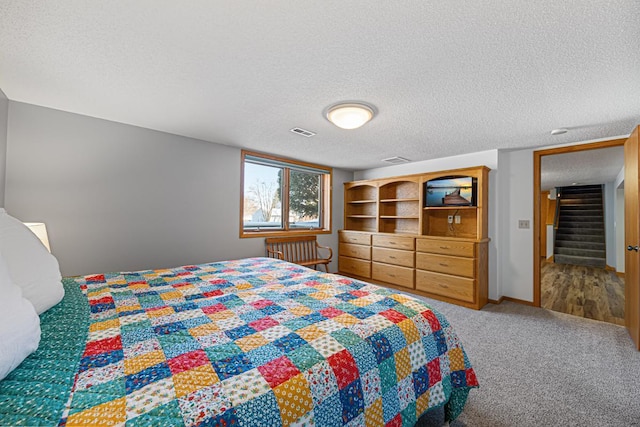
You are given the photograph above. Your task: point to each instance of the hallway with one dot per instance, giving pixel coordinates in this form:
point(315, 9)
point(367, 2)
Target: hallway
point(589, 292)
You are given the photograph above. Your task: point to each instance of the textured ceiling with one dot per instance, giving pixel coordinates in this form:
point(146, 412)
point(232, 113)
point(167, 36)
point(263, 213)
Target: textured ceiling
point(446, 77)
point(583, 167)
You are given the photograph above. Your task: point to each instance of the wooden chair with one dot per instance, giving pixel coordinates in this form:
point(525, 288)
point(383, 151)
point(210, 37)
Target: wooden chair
point(301, 250)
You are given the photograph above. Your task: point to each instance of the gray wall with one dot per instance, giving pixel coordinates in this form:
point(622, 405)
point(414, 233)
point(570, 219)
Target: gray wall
point(4, 110)
point(117, 197)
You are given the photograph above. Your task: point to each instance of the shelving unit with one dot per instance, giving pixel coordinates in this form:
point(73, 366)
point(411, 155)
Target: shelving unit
point(361, 207)
point(399, 205)
point(391, 238)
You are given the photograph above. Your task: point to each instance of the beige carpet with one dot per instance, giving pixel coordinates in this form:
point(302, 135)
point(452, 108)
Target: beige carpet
point(537, 367)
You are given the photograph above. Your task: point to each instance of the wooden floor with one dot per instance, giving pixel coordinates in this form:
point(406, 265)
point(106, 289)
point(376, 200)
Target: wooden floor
point(594, 293)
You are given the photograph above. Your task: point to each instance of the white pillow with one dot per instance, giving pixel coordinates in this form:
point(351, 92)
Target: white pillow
point(30, 264)
point(19, 324)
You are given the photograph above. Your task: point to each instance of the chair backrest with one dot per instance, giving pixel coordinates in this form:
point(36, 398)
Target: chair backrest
point(294, 249)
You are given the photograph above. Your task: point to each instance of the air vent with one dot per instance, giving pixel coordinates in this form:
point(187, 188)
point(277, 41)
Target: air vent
point(396, 160)
point(303, 132)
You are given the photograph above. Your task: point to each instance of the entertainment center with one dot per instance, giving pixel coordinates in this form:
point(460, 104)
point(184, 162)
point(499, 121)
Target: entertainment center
point(424, 233)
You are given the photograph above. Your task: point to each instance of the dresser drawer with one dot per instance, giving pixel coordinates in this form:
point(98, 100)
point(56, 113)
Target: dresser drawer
point(357, 238)
point(457, 266)
point(393, 256)
point(446, 247)
point(400, 276)
point(355, 251)
point(394, 242)
point(354, 266)
point(446, 285)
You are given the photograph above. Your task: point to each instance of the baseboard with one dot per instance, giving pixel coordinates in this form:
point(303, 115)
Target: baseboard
point(516, 300)
point(613, 269)
point(550, 259)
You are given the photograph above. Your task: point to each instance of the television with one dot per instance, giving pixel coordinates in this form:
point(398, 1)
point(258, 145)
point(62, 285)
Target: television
point(451, 191)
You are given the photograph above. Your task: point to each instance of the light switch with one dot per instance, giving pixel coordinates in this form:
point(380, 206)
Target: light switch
point(457, 219)
point(523, 223)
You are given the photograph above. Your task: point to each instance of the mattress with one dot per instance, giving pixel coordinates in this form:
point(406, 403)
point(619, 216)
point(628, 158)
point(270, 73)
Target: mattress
point(252, 342)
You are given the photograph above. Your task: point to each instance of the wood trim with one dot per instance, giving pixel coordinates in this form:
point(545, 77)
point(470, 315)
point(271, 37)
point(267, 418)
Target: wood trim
point(537, 160)
point(326, 216)
point(241, 189)
point(537, 227)
point(285, 159)
point(632, 235)
point(544, 204)
point(520, 301)
point(516, 300)
point(435, 173)
point(620, 274)
point(581, 147)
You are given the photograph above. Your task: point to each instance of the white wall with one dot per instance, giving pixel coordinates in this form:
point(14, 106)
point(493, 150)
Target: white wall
point(487, 158)
point(516, 245)
point(609, 223)
point(550, 239)
point(117, 197)
point(620, 244)
point(4, 109)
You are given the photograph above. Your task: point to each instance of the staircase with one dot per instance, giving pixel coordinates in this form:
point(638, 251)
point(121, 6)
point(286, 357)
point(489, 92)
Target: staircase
point(580, 236)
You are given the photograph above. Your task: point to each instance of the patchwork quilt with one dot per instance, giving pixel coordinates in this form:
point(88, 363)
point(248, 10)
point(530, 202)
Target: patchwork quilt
point(252, 342)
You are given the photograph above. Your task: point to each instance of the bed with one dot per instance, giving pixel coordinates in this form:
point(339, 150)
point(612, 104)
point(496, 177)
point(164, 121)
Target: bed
point(250, 342)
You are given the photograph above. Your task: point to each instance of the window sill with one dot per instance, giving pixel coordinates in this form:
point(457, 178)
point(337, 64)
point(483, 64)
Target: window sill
point(282, 233)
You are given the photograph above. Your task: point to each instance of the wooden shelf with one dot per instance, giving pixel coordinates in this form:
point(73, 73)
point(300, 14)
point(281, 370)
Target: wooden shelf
point(398, 217)
point(448, 208)
point(360, 201)
point(398, 200)
point(361, 216)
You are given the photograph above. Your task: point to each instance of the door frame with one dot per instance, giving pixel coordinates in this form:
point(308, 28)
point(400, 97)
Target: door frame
point(537, 226)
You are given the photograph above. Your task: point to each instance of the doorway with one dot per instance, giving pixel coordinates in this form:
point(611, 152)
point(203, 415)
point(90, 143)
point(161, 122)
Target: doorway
point(577, 282)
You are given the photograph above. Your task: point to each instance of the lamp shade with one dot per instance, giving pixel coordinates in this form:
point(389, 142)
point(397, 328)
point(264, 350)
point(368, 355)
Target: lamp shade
point(40, 230)
point(350, 116)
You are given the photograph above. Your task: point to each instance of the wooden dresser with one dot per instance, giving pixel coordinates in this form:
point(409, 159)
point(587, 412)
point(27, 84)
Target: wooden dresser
point(391, 238)
point(393, 259)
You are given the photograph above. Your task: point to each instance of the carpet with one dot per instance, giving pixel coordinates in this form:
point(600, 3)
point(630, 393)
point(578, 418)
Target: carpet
point(537, 367)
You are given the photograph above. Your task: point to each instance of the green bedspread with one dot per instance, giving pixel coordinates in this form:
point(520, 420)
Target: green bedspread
point(37, 391)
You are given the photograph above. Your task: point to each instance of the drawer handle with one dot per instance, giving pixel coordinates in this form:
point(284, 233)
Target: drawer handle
point(392, 275)
point(444, 247)
point(392, 257)
point(442, 285)
point(444, 265)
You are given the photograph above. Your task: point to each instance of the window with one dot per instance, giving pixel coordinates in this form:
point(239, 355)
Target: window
point(281, 196)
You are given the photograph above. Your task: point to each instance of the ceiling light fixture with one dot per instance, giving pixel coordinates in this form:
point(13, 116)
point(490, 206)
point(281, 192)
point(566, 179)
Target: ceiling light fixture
point(350, 115)
point(559, 131)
